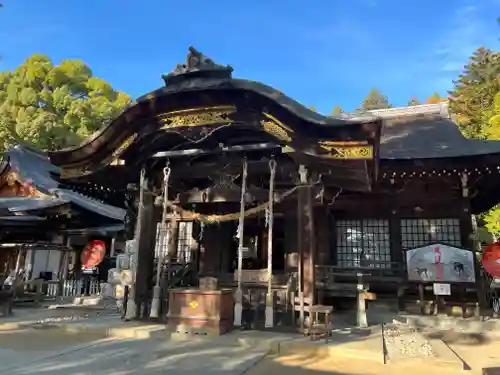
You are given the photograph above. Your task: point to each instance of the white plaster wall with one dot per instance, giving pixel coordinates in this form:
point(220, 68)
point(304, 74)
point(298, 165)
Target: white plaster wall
point(45, 260)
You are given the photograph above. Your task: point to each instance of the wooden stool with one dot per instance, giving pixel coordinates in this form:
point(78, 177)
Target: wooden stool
point(491, 370)
point(318, 329)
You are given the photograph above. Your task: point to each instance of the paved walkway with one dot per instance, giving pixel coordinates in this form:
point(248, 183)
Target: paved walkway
point(145, 357)
point(85, 347)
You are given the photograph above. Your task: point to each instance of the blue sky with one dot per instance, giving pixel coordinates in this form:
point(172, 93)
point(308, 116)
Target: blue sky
point(320, 52)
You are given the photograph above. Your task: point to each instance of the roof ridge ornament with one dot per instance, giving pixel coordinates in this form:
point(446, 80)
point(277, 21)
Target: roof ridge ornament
point(197, 66)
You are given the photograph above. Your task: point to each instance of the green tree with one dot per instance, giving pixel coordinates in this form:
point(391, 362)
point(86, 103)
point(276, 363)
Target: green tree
point(471, 100)
point(414, 101)
point(336, 110)
point(375, 100)
point(435, 98)
point(54, 106)
point(312, 108)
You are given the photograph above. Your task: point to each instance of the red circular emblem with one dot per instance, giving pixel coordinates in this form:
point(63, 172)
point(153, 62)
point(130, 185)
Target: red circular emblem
point(93, 253)
point(491, 259)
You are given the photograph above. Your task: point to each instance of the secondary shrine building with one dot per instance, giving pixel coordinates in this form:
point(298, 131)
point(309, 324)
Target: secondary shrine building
point(264, 195)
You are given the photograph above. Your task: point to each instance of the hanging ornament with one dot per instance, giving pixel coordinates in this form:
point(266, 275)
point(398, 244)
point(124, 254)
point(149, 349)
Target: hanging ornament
point(200, 235)
point(491, 259)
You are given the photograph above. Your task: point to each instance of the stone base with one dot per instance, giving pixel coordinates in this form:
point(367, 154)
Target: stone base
point(199, 327)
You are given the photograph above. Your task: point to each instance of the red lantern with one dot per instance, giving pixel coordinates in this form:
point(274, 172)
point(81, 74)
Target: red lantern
point(491, 259)
point(93, 254)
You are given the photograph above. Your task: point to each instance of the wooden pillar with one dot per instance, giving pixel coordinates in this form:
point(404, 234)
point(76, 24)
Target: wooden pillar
point(468, 228)
point(112, 248)
point(145, 256)
point(306, 240)
point(291, 246)
point(323, 235)
point(141, 249)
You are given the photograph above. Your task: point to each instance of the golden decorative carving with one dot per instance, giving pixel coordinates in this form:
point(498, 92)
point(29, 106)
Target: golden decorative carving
point(277, 122)
point(197, 117)
point(115, 157)
point(24, 188)
point(126, 144)
point(275, 130)
point(347, 150)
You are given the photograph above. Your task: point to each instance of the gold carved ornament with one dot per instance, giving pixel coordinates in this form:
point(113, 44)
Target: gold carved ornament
point(196, 117)
point(347, 150)
point(26, 189)
point(276, 128)
point(121, 149)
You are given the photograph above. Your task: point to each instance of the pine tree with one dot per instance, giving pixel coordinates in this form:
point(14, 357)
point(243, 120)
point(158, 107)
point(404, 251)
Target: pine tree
point(414, 101)
point(471, 100)
point(54, 106)
point(336, 110)
point(434, 98)
point(375, 100)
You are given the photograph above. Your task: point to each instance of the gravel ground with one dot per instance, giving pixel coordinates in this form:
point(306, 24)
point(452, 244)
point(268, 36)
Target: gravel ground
point(402, 342)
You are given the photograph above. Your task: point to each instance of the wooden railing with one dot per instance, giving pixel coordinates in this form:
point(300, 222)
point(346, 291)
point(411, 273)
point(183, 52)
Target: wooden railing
point(253, 277)
point(328, 276)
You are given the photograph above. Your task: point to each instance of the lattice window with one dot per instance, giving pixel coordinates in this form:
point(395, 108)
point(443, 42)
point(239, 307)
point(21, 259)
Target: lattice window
point(184, 241)
point(368, 236)
point(420, 232)
point(161, 246)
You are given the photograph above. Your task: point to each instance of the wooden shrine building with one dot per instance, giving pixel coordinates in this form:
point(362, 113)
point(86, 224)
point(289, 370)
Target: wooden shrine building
point(263, 194)
point(43, 217)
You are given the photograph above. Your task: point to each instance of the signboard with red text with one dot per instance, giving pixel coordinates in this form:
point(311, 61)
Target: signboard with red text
point(440, 263)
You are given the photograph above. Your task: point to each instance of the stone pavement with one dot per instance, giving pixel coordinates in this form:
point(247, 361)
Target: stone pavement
point(132, 356)
point(37, 342)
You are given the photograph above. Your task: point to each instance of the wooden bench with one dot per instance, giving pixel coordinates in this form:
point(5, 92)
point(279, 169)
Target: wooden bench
point(491, 371)
point(6, 298)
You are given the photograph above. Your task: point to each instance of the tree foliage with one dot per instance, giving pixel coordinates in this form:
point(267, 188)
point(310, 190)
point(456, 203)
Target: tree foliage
point(414, 101)
point(54, 106)
point(475, 104)
point(375, 100)
point(435, 98)
point(471, 100)
point(492, 128)
point(337, 110)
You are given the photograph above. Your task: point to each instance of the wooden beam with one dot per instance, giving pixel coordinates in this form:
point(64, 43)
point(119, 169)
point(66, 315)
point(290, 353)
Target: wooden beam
point(199, 151)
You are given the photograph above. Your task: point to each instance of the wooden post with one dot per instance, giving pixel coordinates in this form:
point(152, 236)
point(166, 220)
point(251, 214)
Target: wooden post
point(361, 318)
point(468, 228)
point(132, 308)
point(306, 243)
point(112, 248)
point(421, 298)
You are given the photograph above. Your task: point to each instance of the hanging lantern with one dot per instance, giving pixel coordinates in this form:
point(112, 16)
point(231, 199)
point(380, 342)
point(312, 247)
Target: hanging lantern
point(491, 259)
point(93, 254)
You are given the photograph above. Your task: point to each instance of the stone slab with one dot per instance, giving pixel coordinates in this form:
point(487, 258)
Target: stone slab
point(349, 343)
